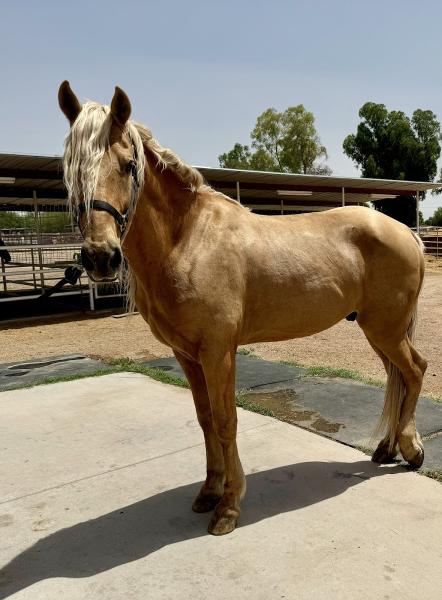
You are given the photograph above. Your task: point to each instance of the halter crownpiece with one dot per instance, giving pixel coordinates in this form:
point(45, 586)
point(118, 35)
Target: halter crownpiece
point(103, 205)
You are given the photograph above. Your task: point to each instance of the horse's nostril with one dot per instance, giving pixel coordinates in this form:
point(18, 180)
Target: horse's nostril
point(116, 258)
point(86, 261)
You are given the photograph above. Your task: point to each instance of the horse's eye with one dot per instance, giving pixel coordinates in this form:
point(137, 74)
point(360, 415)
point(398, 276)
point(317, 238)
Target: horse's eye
point(129, 166)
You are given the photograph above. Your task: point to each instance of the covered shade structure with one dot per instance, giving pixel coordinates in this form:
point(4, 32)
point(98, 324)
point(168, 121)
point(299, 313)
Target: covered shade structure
point(28, 181)
point(34, 184)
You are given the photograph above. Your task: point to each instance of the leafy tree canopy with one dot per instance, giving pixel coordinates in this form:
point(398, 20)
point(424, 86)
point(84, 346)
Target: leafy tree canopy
point(436, 219)
point(281, 141)
point(49, 222)
point(390, 145)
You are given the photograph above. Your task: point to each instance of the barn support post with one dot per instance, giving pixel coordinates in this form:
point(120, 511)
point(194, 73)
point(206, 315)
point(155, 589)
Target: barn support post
point(238, 192)
point(343, 196)
point(91, 294)
point(417, 214)
point(37, 229)
point(5, 286)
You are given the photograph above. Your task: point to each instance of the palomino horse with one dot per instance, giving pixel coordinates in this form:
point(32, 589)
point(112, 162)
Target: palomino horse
point(208, 275)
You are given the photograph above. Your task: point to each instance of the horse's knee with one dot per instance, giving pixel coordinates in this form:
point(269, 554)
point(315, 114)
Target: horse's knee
point(205, 420)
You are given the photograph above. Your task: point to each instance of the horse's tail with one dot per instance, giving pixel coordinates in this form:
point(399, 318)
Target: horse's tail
point(419, 241)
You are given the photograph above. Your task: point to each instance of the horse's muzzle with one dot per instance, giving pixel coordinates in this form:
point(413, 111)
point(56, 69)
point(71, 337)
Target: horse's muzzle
point(102, 260)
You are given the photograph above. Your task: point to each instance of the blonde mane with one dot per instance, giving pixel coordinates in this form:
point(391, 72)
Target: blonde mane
point(85, 145)
point(167, 159)
point(87, 142)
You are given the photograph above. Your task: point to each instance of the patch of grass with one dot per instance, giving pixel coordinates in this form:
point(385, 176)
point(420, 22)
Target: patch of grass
point(432, 473)
point(116, 366)
point(242, 402)
point(326, 371)
point(365, 450)
point(246, 352)
point(125, 364)
point(61, 378)
point(433, 397)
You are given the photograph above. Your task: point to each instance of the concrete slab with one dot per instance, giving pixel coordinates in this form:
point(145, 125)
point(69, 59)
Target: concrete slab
point(250, 371)
point(433, 453)
point(97, 480)
point(33, 371)
point(343, 409)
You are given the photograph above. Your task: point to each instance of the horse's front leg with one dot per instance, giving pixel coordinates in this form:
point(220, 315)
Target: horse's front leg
point(219, 371)
point(213, 487)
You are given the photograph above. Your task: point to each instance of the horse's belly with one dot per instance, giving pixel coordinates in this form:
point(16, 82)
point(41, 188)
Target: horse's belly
point(288, 312)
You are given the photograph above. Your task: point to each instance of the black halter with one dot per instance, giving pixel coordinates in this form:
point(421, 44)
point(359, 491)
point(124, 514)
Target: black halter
point(103, 205)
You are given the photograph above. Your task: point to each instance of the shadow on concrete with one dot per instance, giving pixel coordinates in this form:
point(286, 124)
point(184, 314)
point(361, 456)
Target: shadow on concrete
point(133, 532)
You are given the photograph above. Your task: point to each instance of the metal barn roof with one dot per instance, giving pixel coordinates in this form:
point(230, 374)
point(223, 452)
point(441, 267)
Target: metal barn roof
point(39, 178)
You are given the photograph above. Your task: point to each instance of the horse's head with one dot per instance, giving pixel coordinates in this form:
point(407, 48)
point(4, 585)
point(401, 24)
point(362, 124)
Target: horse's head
point(103, 167)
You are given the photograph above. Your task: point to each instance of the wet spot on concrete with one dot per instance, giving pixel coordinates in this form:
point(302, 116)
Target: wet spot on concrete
point(285, 406)
point(322, 424)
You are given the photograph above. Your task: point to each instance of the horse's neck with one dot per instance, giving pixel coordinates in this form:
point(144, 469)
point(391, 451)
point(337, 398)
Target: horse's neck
point(160, 215)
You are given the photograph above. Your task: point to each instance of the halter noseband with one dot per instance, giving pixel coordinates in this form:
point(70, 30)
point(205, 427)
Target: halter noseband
point(103, 205)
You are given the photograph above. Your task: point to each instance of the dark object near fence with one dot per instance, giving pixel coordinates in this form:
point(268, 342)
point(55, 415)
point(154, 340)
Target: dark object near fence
point(4, 254)
point(71, 275)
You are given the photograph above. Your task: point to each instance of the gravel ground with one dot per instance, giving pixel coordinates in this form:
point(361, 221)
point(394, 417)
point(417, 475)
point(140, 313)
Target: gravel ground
point(342, 346)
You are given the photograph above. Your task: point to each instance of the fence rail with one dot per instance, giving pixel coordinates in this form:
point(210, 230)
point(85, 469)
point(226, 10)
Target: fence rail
point(432, 239)
point(34, 267)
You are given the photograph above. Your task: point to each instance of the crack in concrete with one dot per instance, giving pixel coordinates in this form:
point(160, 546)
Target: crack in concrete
point(115, 469)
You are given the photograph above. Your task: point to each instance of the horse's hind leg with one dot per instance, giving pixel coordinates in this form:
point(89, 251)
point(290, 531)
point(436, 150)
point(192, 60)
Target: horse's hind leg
point(213, 488)
point(406, 369)
point(410, 441)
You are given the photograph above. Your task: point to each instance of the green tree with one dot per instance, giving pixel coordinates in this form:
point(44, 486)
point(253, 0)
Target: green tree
point(282, 141)
point(390, 145)
point(238, 158)
point(436, 219)
point(53, 222)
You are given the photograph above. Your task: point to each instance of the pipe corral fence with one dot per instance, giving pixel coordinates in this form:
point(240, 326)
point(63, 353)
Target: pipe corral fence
point(33, 259)
point(432, 239)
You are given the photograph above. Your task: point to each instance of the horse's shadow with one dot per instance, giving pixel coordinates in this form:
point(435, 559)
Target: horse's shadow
point(134, 531)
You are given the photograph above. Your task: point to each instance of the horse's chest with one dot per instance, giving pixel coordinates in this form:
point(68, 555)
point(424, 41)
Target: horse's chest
point(163, 313)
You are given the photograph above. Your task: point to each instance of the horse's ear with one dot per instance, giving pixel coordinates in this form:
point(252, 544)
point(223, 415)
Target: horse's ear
point(68, 102)
point(120, 107)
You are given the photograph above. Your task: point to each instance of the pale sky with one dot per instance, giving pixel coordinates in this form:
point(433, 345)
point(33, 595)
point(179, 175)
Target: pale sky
point(200, 72)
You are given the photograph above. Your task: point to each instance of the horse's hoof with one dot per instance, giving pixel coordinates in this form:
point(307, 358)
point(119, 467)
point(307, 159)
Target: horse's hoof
point(383, 455)
point(222, 525)
point(205, 503)
point(417, 460)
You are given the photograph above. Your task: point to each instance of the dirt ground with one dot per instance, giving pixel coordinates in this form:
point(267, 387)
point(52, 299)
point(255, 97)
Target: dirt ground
point(342, 346)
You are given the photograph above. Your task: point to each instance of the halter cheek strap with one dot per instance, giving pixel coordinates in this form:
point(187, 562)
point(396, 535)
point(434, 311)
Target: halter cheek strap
point(104, 206)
